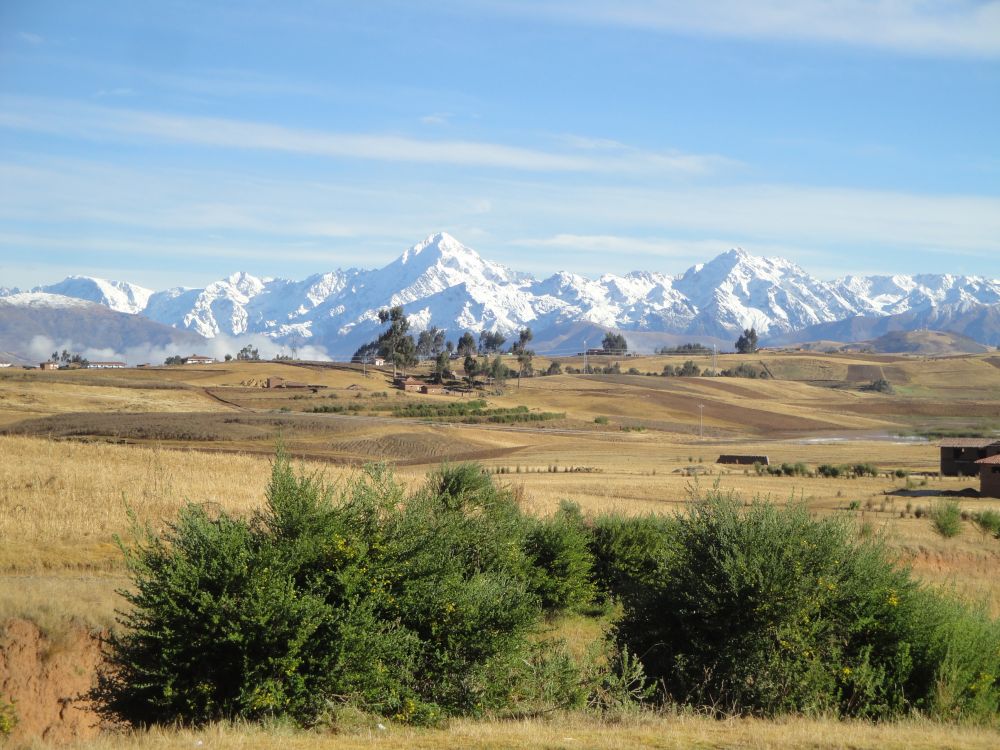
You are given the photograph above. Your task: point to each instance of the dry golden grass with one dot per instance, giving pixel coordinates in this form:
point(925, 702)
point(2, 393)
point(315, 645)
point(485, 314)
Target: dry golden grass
point(576, 731)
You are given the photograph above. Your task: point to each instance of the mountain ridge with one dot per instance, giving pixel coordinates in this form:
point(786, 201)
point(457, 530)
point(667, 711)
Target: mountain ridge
point(442, 282)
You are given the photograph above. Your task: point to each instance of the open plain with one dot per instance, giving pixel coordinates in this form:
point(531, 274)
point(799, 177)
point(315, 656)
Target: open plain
point(82, 450)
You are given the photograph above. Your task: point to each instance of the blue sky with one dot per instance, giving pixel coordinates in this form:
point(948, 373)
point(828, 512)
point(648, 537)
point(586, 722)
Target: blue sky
point(178, 141)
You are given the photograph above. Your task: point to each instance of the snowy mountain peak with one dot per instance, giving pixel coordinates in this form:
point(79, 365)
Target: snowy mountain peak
point(440, 244)
point(120, 296)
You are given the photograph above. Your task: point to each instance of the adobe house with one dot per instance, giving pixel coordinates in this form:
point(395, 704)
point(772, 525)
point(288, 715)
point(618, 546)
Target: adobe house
point(742, 460)
point(409, 384)
point(989, 476)
point(959, 455)
point(432, 389)
point(199, 359)
point(49, 365)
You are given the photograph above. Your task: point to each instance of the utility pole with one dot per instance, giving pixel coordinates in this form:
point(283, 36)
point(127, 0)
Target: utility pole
point(585, 356)
point(701, 421)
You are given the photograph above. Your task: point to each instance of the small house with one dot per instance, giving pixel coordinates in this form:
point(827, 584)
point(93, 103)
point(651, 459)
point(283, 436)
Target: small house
point(989, 476)
point(5, 364)
point(409, 384)
point(959, 455)
point(49, 365)
point(199, 359)
point(105, 365)
point(432, 388)
point(379, 362)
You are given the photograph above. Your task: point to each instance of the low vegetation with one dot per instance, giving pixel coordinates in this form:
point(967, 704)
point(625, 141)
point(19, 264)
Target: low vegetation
point(946, 517)
point(473, 412)
point(429, 604)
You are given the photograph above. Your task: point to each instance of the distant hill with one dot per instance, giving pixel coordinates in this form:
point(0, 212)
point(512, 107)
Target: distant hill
point(980, 322)
point(931, 343)
point(82, 326)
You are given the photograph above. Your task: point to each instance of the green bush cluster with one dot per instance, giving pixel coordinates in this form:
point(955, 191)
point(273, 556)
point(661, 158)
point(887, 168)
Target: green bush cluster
point(988, 522)
point(946, 518)
point(847, 470)
point(744, 370)
point(473, 412)
point(562, 564)
point(783, 470)
point(413, 607)
point(767, 611)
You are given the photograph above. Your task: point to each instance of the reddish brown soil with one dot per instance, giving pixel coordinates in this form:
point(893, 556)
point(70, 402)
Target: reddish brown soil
point(46, 681)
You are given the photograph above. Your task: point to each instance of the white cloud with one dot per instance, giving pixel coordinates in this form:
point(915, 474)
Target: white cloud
point(103, 123)
point(958, 28)
point(41, 348)
point(436, 118)
point(27, 36)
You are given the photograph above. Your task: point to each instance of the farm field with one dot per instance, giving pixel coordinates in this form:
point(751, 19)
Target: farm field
point(80, 450)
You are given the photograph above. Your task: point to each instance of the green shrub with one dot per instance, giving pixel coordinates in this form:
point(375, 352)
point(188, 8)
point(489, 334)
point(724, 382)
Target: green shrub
point(600, 420)
point(864, 470)
point(631, 553)
point(766, 611)
point(412, 607)
point(770, 611)
point(561, 559)
point(988, 522)
point(946, 517)
point(8, 718)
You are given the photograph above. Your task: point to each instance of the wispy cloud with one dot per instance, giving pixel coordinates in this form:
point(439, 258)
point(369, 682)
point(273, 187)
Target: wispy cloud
point(105, 123)
point(436, 118)
point(954, 28)
point(623, 244)
point(27, 36)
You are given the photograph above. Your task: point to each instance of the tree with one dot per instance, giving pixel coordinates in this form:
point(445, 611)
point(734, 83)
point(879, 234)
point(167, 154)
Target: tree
point(248, 353)
point(471, 367)
point(466, 345)
point(747, 342)
point(523, 353)
point(554, 369)
point(491, 342)
point(430, 342)
point(441, 366)
point(689, 370)
point(395, 343)
point(614, 343)
point(174, 360)
point(229, 358)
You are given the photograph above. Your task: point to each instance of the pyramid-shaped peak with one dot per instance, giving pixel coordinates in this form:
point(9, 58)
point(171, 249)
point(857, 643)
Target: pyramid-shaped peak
point(439, 244)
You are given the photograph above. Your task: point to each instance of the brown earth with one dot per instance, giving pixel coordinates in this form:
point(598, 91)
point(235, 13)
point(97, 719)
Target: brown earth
point(46, 680)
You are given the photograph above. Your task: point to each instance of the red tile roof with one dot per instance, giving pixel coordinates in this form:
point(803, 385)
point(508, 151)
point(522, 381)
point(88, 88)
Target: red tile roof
point(968, 442)
point(990, 461)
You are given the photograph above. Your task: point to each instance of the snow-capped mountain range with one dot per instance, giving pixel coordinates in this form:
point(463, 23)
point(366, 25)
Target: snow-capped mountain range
point(443, 283)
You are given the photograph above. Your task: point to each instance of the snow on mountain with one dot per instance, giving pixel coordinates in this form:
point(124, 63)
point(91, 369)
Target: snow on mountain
point(443, 283)
point(41, 300)
point(120, 296)
point(891, 295)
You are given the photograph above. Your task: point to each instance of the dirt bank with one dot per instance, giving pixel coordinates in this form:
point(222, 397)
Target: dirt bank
point(46, 679)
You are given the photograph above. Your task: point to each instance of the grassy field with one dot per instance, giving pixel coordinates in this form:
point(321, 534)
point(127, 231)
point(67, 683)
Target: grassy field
point(80, 448)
